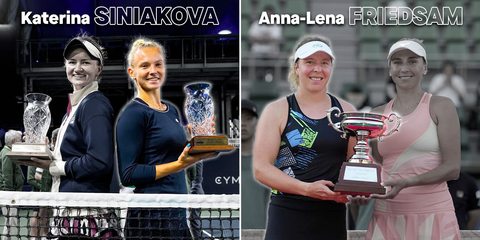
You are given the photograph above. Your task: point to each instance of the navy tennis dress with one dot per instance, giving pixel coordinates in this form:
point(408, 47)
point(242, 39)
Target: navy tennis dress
point(145, 138)
point(310, 150)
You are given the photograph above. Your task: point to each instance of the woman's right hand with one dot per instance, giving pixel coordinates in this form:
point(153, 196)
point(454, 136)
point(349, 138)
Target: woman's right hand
point(320, 190)
point(186, 159)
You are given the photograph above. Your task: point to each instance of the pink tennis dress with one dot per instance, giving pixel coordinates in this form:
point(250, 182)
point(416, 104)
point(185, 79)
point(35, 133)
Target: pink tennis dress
point(420, 212)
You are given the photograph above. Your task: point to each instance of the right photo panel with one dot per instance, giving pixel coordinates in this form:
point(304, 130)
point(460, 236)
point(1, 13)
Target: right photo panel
point(360, 119)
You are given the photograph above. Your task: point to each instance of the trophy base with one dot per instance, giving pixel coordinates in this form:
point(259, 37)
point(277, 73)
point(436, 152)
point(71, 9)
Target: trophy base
point(359, 190)
point(201, 144)
point(24, 151)
point(359, 179)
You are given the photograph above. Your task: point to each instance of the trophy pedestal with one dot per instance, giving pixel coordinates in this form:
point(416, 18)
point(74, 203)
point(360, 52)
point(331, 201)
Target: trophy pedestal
point(24, 151)
point(359, 179)
point(201, 144)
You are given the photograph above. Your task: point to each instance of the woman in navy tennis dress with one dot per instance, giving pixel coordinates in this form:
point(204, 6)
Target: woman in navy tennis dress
point(150, 146)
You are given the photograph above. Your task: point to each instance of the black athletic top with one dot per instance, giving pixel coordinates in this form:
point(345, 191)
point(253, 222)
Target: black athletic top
point(310, 150)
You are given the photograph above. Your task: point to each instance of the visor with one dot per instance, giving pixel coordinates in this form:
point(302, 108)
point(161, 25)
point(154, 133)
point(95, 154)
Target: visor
point(88, 46)
point(408, 45)
point(312, 47)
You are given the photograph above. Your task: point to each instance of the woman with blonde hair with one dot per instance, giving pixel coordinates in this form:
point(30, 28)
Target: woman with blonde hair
point(299, 155)
point(151, 146)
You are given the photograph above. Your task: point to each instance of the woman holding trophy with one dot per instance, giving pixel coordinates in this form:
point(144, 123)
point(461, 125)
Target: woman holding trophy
point(151, 144)
point(419, 159)
point(299, 156)
point(83, 158)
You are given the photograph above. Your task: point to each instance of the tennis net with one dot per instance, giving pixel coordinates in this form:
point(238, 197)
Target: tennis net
point(38, 215)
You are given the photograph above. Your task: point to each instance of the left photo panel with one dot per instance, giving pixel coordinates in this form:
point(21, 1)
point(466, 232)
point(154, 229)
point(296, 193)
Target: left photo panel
point(120, 120)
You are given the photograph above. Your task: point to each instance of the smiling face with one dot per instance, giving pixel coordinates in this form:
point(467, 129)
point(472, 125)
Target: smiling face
point(81, 69)
point(314, 71)
point(407, 69)
point(148, 69)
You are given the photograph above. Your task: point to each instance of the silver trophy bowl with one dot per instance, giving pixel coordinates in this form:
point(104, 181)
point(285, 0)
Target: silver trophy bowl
point(364, 126)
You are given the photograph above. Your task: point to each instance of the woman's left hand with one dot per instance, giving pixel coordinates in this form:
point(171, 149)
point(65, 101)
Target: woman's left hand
point(186, 159)
point(396, 186)
point(359, 200)
point(37, 162)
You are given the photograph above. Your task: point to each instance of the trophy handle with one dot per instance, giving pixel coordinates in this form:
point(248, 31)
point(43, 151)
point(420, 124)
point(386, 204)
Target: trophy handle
point(399, 120)
point(335, 126)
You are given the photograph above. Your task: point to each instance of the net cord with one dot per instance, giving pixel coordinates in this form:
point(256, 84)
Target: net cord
point(118, 200)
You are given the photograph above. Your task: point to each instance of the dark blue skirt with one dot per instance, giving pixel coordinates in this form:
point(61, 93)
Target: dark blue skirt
point(157, 224)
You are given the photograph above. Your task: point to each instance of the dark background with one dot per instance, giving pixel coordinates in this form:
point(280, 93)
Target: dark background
point(31, 59)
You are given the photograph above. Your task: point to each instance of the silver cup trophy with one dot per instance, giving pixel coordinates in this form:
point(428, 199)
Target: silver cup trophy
point(36, 120)
point(199, 112)
point(359, 176)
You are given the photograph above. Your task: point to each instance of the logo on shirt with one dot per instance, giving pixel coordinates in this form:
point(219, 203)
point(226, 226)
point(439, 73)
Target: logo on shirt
point(460, 194)
point(72, 120)
point(176, 120)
